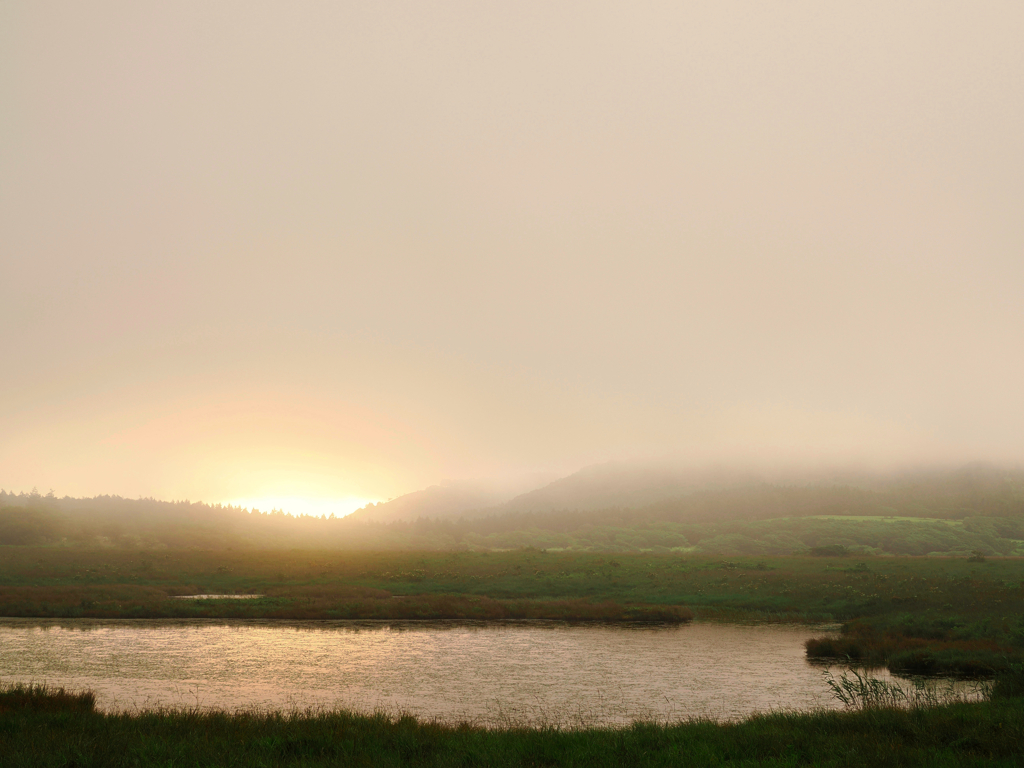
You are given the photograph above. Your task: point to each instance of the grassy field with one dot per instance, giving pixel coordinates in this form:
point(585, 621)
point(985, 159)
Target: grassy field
point(53, 728)
point(787, 588)
point(929, 615)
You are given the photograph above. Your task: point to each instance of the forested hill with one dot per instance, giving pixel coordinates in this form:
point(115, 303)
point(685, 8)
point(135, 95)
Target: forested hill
point(975, 509)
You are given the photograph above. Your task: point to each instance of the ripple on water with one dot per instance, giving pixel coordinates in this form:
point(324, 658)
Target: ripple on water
point(517, 672)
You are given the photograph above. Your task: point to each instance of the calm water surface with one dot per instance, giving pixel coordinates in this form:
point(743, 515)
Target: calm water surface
point(529, 673)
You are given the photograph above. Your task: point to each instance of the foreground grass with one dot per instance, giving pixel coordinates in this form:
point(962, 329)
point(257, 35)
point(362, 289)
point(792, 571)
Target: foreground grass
point(55, 728)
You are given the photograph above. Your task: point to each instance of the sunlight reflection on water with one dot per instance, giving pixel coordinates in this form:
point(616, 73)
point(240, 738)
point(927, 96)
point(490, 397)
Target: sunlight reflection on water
point(216, 597)
point(523, 672)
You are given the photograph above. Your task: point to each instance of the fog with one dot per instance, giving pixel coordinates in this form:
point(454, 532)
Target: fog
point(346, 251)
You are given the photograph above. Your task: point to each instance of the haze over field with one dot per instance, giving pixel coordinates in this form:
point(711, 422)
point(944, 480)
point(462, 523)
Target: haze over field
point(314, 255)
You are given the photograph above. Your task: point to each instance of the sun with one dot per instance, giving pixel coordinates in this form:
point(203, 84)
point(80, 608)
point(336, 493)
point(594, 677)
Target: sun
point(299, 505)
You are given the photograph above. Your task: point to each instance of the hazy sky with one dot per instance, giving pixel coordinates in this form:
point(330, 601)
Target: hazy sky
point(342, 250)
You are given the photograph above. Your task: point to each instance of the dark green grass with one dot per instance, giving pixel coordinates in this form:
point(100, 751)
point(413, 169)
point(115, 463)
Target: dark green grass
point(784, 587)
point(34, 734)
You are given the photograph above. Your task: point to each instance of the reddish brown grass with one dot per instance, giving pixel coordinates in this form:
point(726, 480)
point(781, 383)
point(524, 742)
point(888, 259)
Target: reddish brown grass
point(315, 602)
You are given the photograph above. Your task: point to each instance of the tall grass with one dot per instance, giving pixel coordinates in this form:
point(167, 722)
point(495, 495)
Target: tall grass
point(857, 690)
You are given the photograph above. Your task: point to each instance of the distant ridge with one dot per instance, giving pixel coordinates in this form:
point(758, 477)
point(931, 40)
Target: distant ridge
point(628, 486)
point(623, 485)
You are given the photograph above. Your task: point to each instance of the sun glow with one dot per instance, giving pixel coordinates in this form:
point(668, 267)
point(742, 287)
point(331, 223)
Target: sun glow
point(297, 505)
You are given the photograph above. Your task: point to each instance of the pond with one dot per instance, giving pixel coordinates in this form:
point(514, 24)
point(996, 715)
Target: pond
point(528, 673)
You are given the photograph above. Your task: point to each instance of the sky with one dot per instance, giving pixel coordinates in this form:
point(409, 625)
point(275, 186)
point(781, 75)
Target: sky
point(332, 252)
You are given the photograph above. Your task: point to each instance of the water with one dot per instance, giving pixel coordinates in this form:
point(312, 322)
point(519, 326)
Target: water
point(216, 597)
point(524, 673)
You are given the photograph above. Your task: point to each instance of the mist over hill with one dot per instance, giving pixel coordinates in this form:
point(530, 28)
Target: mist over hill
point(449, 501)
point(623, 485)
point(715, 492)
point(599, 486)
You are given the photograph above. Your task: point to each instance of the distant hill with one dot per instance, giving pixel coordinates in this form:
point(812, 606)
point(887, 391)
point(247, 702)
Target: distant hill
point(450, 501)
point(600, 486)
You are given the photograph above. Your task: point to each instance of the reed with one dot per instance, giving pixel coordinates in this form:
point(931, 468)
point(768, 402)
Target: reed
point(857, 690)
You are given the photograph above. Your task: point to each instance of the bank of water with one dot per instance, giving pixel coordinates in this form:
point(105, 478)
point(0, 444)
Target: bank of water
point(530, 673)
